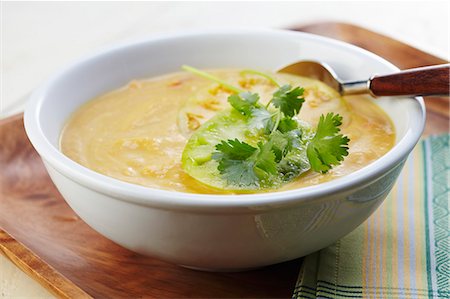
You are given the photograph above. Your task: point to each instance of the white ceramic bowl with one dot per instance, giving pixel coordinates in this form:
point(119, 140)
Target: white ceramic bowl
point(216, 232)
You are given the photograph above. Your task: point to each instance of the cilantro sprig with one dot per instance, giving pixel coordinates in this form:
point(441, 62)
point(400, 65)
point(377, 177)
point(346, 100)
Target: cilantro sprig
point(281, 148)
point(246, 166)
point(288, 99)
point(236, 162)
point(244, 102)
point(327, 148)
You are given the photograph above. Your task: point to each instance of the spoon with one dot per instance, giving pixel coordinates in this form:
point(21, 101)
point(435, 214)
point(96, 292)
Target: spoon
point(424, 81)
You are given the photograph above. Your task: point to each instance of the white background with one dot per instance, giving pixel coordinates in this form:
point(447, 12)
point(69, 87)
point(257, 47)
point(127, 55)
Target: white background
point(37, 39)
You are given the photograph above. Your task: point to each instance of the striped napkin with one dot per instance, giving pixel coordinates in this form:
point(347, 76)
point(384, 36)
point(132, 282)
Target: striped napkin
point(403, 249)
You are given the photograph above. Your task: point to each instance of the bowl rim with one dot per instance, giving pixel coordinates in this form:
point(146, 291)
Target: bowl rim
point(160, 198)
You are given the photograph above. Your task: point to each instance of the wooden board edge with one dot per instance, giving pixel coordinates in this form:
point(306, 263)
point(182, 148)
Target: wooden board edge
point(11, 118)
point(37, 269)
point(331, 29)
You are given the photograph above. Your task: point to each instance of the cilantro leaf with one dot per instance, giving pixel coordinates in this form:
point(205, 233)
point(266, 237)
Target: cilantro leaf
point(261, 119)
point(287, 124)
point(234, 163)
point(239, 173)
point(235, 149)
point(244, 165)
point(244, 102)
point(288, 99)
point(327, 147)
point(265, 159)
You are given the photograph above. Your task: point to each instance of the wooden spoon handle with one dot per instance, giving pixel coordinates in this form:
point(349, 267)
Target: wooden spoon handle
point(424, 81)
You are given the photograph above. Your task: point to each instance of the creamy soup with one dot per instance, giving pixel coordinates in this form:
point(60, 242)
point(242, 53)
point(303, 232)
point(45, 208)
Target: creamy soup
point(137, 133)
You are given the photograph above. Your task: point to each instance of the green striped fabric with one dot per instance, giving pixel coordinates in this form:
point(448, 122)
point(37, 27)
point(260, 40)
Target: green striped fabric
point(403, 249)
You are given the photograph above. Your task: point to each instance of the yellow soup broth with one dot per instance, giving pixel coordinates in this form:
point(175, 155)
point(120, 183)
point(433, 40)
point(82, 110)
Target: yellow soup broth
point(137, 133)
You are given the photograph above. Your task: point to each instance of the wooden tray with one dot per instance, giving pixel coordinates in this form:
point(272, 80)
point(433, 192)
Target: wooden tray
point(42, 236)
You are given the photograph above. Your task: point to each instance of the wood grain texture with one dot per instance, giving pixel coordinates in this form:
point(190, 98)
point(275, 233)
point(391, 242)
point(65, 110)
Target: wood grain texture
point(32, 265)
point(424, 81)
point(43, 236)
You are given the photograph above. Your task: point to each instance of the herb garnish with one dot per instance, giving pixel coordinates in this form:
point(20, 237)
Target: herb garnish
point(327, 147)
point(278, 147)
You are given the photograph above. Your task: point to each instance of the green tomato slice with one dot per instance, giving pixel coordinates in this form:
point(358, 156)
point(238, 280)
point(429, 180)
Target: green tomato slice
point(229, 124)
point(197, 155)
